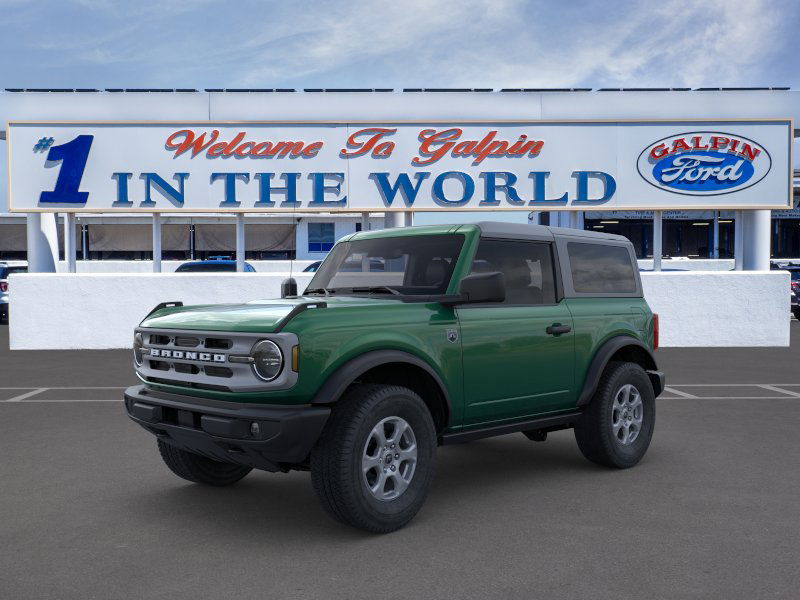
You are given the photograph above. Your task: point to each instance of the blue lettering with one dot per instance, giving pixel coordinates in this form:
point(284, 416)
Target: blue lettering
point(609, 186)
point(320, 189)
point(265, 189)
point(176, 196)
point(492, 187)
point(122, 189)
point(438, 188)
point(408, 191)
point(230, 185)
point(539, 191)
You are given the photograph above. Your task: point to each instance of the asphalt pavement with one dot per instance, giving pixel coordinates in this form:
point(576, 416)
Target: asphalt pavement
point(87, 509)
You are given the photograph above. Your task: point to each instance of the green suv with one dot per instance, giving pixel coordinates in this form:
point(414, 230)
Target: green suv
point(406, 339)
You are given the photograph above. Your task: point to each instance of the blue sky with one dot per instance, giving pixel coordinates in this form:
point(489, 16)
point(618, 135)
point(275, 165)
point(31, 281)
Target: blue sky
point(446, 43)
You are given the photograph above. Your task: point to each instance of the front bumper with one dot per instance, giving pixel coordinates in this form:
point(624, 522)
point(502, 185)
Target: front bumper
point(225, 431)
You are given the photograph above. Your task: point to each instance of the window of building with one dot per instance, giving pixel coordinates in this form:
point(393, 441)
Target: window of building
point(527, 269)
point(601, 269)
point(321, 237)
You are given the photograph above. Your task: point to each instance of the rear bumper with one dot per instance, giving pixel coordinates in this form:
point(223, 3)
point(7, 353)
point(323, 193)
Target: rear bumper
point(227, 431)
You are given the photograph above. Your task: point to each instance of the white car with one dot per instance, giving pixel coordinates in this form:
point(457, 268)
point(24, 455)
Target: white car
point(6, 269)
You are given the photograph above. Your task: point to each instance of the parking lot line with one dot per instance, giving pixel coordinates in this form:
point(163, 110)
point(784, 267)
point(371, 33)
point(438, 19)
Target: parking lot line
point(776, 388)
point(672, 390)
point(81, 387)
point(27, 394)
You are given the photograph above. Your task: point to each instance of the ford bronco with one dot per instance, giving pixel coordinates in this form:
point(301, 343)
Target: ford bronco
point(405, 340)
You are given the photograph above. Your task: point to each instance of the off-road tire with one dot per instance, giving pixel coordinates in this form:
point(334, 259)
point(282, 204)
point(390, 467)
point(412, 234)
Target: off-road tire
point(336, 460)
point(199, 469)
point(594, 431)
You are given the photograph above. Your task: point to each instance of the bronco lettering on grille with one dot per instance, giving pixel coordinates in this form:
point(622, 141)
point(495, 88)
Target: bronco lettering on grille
point(183, 355)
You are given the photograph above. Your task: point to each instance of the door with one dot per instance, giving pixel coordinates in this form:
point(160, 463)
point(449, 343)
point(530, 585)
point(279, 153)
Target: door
point(518, 355)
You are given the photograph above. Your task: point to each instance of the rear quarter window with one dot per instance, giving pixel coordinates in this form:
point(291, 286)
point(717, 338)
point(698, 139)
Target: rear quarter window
point(601, 269)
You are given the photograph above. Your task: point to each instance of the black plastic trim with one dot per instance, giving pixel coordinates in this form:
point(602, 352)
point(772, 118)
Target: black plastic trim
point(287, 434)
point(161, 305)
point(296, 311)
point(601, 359)
point(339, 381)
point(539, 423)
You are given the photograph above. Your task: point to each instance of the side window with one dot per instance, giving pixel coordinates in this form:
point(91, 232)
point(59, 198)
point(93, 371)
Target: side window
point(527, 268)
point(601, 269)
point(321, 237)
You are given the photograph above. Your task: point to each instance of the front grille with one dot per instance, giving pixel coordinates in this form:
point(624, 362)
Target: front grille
point(201, 359)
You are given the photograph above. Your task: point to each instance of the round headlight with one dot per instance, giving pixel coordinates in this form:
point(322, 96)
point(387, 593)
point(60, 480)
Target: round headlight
point(138, 343)
point(268, 360)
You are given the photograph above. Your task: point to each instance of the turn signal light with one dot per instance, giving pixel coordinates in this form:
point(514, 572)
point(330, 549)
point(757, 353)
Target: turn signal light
point(655, 331)
point(295, 357)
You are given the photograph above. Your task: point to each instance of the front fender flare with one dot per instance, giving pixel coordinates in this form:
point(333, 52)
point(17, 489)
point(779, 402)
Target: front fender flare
point(603, 356)
point(342, 377)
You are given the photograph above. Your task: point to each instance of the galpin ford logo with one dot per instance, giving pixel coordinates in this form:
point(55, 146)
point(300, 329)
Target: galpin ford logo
point(704, 163)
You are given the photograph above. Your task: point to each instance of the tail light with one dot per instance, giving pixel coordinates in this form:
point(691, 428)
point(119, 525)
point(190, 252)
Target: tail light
point(795, 286)
point(655, 331)
point(3, 286)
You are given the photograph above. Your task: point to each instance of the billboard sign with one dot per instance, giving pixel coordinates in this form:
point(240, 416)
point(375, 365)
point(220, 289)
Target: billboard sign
point(284, 167)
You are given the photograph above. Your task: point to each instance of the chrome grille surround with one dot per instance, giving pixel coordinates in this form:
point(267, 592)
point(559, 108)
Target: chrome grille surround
point(242, 377)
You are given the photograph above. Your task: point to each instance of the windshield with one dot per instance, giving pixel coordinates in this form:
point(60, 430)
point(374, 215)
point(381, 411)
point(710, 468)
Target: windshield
point(407, 265)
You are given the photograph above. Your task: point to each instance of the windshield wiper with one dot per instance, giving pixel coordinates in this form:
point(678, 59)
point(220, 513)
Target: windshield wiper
point(324, 291)
point(376, 289)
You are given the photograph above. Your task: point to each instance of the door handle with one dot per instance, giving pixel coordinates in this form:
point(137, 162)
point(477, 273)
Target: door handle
point(557, 329)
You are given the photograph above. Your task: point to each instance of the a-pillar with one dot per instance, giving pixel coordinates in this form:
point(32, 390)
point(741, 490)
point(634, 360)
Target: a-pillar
point(756, 239)
point(42, 234)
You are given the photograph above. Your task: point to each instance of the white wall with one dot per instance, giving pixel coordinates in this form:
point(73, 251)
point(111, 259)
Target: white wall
point(169, 266)
point(80, 311)
point(55, 311)
point(735, 308)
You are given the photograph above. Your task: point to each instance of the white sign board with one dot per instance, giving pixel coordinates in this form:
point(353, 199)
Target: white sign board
point(361, 167)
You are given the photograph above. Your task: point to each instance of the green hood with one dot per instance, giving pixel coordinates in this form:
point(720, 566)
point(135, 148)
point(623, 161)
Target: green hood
point(260, 316)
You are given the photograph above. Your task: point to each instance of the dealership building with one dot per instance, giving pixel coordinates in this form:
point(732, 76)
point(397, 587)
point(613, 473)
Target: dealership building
point(132, 182)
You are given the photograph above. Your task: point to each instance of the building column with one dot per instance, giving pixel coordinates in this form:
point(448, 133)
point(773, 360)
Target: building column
point(69, 241)
point(42, 234)
point(408, 219)
point(715, 236)
point(756, 240)
point(394, 219)
point(365, 221)
point(738, 240)
point(156, 243)
point(658, 245)
point(240, 247)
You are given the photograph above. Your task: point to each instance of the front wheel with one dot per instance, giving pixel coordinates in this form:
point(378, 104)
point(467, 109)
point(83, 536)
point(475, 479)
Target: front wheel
point(374, 463)
point(616, 428)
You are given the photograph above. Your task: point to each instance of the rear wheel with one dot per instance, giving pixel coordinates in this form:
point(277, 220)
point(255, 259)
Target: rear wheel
point(199, 469)
point(374, 463)
point(616, 428)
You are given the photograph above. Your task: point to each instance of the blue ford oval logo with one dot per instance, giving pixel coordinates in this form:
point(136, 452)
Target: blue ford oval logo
point(704, 163)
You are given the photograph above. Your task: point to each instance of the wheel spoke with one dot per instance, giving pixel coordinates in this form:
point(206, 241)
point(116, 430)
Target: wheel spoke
point(388, 462)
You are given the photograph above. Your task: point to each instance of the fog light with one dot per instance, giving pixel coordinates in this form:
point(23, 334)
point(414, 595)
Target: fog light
point(255, 428)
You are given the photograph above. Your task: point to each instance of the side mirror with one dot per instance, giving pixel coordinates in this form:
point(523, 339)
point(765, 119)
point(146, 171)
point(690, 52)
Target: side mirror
point(288, 287)
point(483, 287)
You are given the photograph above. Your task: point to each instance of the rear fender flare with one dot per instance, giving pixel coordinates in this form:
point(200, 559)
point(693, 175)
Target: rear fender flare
point(602, 358)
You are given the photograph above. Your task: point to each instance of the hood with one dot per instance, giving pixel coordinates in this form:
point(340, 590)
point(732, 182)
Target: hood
point(259, 316)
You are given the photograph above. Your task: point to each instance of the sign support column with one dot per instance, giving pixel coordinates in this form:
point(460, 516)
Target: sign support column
point(240, 242)
point(658, 251)
point(42, 241)
point(738, 240)
point(69, 241)
point(757, 243)
point(156, 242)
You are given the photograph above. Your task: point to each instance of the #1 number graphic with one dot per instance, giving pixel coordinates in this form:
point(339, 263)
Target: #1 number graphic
point(73, 157)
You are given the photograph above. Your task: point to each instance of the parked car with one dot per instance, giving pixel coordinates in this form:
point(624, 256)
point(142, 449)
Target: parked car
point(211, 265)
point(477, 330)
point(6, 269)
point(795, 290)
point(312, 268)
